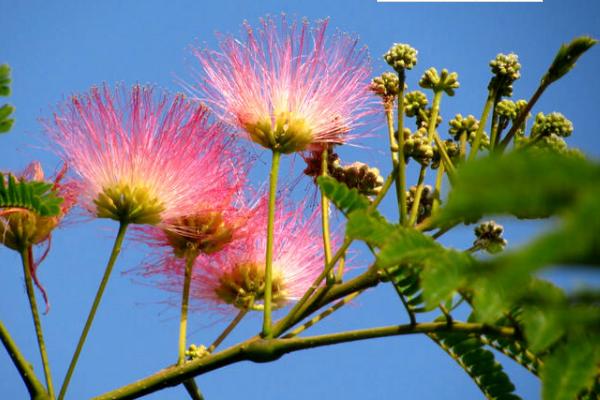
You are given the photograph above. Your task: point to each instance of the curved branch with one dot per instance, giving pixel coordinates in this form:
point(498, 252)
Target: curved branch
point(261, 350)
point(34, 386)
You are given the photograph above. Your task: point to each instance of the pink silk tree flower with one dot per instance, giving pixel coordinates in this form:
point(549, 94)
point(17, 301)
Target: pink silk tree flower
point(235, 276)
point(142, 157)
point(288, 85)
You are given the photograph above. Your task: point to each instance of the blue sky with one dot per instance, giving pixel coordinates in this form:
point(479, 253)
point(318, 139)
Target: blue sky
point(56, 49)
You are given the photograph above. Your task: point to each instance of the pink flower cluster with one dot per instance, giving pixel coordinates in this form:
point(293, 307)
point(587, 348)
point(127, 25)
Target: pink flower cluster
point(158, 161)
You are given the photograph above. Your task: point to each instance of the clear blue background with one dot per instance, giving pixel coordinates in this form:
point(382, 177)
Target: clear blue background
point(58, 48)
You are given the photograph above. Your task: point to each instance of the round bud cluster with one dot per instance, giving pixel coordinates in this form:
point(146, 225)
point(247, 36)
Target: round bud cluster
point(505, 68)
point(368, 181)
point(460, 125)
point(553, 123)
point(452, 149)
point(419, 147)
point(507, 109)
point(551, 143)
point(401, 57)
point(360, 176)
point(423, 119)
point(194, 352)
point(489, 237)
point(446, 81)
point(386, 86)
point(425, 203)
point(414, 102)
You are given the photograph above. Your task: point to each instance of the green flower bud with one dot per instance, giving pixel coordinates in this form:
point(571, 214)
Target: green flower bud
point(489, 237)
point(401, 57)
point(506, 66)
point(452, 149)
point(446, 81)
point(507, 109)
point(194, 352)
point(418, 147)
point(386, 86)
point(414, 102)
point(460, 125)
point(553, 123)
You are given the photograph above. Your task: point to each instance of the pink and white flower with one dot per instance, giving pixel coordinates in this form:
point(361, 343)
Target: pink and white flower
point(143, 157)
point(287, 84)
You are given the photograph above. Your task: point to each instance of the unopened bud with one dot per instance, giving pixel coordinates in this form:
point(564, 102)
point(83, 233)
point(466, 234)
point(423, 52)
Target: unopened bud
point(401, 57)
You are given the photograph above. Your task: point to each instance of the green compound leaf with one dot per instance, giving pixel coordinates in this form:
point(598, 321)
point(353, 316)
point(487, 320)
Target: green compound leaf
point(6, 110)
point(469, 352)
point(5, 80)
point(514, 349)
point(344, 198)
point(570, 370)
point(369, 227)
point(34, 196)
point(442, 271)
point(540, 185)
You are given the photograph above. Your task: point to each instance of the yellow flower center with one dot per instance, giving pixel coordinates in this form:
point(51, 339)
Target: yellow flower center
point(244, 286)
point(289, 133)
point(204, 232)
point(124, 203)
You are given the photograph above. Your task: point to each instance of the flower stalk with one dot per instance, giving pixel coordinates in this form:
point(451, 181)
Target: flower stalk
point(401, 163)
point(34, 386)
point(27, 260)
point(109, 267)
point(267, 328)
point(185, 299)
point(325, 217)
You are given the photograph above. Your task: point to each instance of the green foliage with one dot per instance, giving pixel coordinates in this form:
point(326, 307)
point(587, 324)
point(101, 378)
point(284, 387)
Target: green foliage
point(6, 110)
point(570, 370)
point(344, 198)
point(565, 58)
point(33, 195)
point(540, 185)
point(515, 349)
point(479, 363)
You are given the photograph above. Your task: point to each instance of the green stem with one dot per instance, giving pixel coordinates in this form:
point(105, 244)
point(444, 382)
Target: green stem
point(284, 323)
point(484, 116)
point(322, 315)
point(401, 163)
point(260, 350)
point(27, 259)
point(414, 211)
point(437, 191)
point(522, 117)
point(185, 299)
point(34, 386)
point(109, 266)
point(193, 389)
point(229, 328)
point(446, 161)
point(463, 145)
point(495, 126)
point(325, 218)
point(267, 328)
